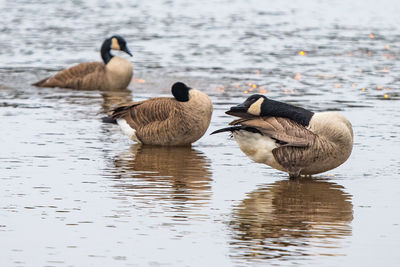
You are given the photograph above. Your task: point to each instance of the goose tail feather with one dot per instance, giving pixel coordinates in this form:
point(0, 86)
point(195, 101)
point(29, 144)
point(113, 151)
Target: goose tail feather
point(41, 82)
point(228, 129)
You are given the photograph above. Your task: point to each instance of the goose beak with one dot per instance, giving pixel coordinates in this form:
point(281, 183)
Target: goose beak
point(126, 50)
point(241, 107)
point(237, 110)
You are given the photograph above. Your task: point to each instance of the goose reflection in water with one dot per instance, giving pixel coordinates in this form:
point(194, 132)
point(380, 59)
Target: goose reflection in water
point(289, 218)
point(178, 174)
point(113, 98)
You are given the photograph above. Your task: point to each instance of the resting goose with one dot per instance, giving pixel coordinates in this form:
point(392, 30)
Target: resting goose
point(290, 138)
point(115, 73)
point(177, 121)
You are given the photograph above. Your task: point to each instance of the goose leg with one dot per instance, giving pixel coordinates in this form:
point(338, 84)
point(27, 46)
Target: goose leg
point(294, 175)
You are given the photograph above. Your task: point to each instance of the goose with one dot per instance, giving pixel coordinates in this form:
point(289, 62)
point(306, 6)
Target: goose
point(115, 73)
point(177, 121)
point(289, 138)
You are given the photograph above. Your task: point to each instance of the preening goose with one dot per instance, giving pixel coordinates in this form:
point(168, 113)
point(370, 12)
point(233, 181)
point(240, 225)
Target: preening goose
point(115, 73)
point(177, 121)
point(290, 138)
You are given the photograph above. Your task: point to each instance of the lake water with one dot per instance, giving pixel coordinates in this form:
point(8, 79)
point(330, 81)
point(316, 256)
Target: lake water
point(77, 192)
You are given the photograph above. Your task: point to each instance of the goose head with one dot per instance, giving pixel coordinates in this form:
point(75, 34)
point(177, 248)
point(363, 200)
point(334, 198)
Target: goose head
point(180, 91)
point(119, 43)
point(115, 42)
point(252, 106)
point(259, 105)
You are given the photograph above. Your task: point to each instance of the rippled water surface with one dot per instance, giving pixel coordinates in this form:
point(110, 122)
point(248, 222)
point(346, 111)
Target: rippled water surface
point(76, 192)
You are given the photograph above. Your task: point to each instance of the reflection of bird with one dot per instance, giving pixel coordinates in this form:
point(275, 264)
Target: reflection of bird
point(113, 98)
point(177, 121)
point(289, 138)
point(286, 212)
point(186, 170)
point(114, 74)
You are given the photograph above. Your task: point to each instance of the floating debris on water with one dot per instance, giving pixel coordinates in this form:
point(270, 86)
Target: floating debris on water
point(138, 80)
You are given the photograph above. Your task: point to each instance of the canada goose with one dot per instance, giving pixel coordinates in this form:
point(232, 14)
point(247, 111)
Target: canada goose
point(176, 121)
point(115, 73)
point(290, 138)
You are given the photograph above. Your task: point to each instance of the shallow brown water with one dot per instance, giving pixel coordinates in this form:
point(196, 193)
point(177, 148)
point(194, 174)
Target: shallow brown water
point(76, 192)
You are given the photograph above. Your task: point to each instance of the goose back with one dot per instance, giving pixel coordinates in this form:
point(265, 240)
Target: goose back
point(93, 76)
point(334, 144)
point(81, 76)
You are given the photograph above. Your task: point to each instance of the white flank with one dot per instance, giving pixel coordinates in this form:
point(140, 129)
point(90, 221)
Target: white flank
point(257, 147)
point(128, 130)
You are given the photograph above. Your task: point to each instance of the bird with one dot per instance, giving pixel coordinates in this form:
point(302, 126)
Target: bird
point(290, 138)
point(166, 121)
point(114, 74)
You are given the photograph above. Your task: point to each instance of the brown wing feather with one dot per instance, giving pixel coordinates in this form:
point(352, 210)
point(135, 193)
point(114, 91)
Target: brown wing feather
point(282, 129)
point(88, 75)
point(123, 110)
point(294, 159)
point(140, 115)
point(152, 119)
point(296, 154)
point(145, 112)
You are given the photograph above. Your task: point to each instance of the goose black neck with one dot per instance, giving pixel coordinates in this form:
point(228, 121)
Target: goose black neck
point(279, 109)
point(105, 51)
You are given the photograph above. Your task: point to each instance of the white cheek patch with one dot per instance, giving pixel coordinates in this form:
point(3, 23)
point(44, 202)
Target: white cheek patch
point(128, 130)
point(255, 108)
point(114, 44)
